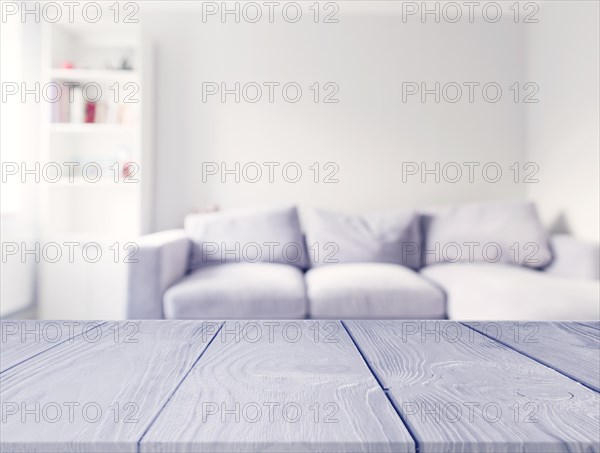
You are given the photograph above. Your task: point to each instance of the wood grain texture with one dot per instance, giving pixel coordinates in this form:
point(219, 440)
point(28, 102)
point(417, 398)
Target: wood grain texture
point(459, 391)
point(569, 347)
point(594, 324)
point(98, 393)
point(304, 387)
point(22, 340)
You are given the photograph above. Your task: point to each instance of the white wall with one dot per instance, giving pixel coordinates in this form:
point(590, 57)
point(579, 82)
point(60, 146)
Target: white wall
point(564, 127)
point(369, 133)
point(18, 62)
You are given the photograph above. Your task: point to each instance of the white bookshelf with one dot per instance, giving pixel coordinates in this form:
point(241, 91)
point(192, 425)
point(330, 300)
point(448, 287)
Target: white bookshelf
point(115, 209)
point(67, 128)
point(94, 74)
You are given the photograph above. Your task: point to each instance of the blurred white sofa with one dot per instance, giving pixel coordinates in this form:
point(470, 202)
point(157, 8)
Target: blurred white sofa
point(476, 261)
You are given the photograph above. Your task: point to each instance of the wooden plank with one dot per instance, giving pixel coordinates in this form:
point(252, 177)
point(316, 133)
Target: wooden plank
point(459, 391)
point(568, 347)
point(594, 324)
point(22, 340)
point(279, 386)
point(98, 394)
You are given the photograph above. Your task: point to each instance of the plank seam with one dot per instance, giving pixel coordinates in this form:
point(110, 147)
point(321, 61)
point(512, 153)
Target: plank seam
point(139, 442)
point(590, 326)
point(385, 390)
point(53, 346)
point(541, 362)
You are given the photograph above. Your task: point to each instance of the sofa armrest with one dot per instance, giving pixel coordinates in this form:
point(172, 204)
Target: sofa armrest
point(574, 258)
point(162, 259)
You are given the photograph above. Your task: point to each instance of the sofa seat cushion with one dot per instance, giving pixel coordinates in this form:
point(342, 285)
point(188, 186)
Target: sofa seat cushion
point(484, 291)
point(372, 290)
point(238, 291)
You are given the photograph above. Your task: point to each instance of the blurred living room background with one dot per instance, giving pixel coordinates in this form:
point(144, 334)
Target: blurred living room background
point(350, 107)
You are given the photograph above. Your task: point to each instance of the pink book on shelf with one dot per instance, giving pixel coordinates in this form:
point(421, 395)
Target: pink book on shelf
point(60, 110)
point(90, 112)
point(77, 107)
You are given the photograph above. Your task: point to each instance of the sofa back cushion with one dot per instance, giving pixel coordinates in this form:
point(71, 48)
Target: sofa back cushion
point(386, 237)
point(248, 235)
point(507, 232)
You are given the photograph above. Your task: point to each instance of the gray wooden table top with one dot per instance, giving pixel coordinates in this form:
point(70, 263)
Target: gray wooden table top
point(397, 386)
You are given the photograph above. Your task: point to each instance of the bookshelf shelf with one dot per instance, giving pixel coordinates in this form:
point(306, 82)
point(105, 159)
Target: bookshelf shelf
point(94, 75)
point(77, 183)
point(93, 128)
